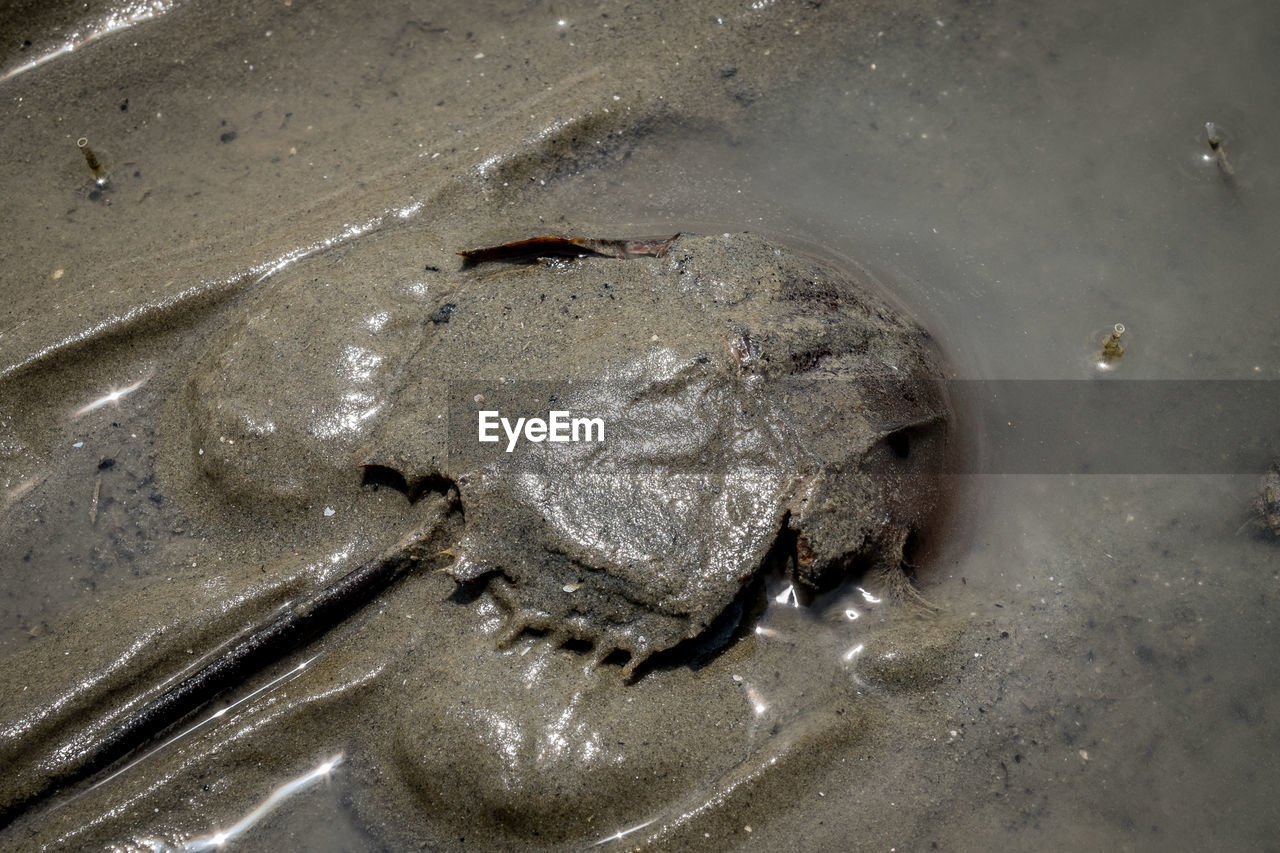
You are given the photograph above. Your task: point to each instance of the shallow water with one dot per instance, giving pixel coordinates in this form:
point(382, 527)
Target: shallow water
point(1022, 176)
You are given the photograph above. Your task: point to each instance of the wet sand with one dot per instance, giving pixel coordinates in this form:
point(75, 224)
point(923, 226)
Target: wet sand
point(1022, 177)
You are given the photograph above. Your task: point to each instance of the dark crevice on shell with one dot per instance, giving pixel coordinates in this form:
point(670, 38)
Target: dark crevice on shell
point(537, 248)
point(385, 476)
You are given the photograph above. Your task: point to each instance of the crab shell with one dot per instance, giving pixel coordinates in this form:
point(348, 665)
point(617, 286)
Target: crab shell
point(756, 403)
point(752, 400)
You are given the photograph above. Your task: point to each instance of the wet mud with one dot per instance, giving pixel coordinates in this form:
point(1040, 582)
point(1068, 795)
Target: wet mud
point(225, 384)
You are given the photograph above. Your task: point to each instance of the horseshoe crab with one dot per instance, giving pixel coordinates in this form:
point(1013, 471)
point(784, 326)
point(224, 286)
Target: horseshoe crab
point(787, 401)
